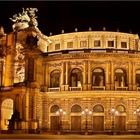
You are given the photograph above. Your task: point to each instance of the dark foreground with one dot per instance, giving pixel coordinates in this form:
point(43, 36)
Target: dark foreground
point(67, 137)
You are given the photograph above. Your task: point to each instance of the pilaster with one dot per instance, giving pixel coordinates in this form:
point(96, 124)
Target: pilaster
point(89, 75)
point(67, 77)
point(112, 75)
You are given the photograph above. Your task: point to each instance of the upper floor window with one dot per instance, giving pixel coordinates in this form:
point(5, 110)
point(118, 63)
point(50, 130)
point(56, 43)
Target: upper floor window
point(98, 77)
point(69, 44)
point(97, 43)
point(83, 44)
point(55, 79)
point(120, 78)
point(57, 46)
point(110, 43)
point(123, 44)
point(76, 78)
point(138, 78)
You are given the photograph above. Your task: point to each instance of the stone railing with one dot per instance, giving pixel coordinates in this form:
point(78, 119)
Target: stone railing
point(56, 89)
point(121, 88)
point(98, 87)
point(75, 88)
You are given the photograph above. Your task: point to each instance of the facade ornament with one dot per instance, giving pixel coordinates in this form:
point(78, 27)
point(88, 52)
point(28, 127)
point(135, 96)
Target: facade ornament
point(25, 19)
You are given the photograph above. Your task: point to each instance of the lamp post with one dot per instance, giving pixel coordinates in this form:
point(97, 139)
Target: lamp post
point(114, 112)
point(137, 113)
point(60, 113)
point(86, 112)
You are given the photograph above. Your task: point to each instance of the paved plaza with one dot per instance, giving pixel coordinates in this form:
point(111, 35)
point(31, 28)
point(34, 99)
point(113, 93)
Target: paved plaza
point(68, 137)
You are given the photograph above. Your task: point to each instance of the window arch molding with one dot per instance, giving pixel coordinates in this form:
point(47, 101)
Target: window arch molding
point(54, 108)
point(98, 108)
point(121, 108)
point(76, 108)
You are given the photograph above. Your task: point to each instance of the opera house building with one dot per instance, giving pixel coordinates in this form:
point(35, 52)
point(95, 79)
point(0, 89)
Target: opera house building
point(70, 82)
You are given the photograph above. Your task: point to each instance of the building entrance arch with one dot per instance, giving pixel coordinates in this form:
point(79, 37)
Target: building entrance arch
point(6, 113)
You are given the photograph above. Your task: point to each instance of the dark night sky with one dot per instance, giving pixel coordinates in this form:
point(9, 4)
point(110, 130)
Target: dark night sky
point(53, 16)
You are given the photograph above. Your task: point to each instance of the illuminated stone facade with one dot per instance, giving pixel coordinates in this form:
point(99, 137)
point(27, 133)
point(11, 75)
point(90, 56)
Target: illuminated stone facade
point(94, 70)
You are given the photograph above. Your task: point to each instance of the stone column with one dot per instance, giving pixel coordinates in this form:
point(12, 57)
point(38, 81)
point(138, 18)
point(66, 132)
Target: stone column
point(103, 42)
point(112, 76)
point(130, 76)
point(89, 41)
point(44, 88)
point(26, 123)
point(89, 76)
point(34, 121)
point(85, 76)
point(134, 76)
point(62, 76)
point(67, 77)
point(47, 79)
point(107, 76)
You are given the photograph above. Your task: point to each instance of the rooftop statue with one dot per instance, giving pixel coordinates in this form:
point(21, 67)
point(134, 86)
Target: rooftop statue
point(25, 19)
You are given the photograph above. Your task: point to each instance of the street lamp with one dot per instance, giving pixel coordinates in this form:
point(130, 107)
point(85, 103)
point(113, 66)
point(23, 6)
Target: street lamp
point(137, 113)
point(114, 112)
point(86, 112)
point(60, 113)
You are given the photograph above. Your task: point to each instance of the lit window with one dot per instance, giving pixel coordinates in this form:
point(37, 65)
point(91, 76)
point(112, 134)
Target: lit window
point(69, 44)
point(110, 43)
point(57, 46)
point(83, 44)
point(123, 45)
point(97, 43)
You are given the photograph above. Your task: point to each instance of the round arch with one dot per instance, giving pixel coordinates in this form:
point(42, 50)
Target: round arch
point(7, 109)
point(121, 108)
point(76, 109)
point(120, 77)
point(98, 118)
point(55, 78)
point(76, 78)
point(98, 77)
point(54, 108)
point(98, 109)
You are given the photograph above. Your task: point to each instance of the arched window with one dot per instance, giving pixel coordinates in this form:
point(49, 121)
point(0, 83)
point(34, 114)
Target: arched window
point(76, 109)
point(55, 79)
point(6, 113)
point(54, 109)
point(120, 78)
point(98, 77)
point(98, 109)
point(76, 78)
point(120, 109)
point(138, 78)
